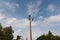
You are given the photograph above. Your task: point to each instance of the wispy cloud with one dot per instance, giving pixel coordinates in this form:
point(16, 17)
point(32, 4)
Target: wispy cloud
point(23, 23)
point(45, 23)
point(8, 7)
point(11, 6)
point(51, 7)
point(2, 16)
point(33, 8)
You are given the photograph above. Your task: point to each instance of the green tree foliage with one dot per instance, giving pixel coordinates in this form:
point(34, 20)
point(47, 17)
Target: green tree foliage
point(49, 36)
point(18, 37)
point(1, 35)
point(43, 37)
point(0, 26)
point(6, 33)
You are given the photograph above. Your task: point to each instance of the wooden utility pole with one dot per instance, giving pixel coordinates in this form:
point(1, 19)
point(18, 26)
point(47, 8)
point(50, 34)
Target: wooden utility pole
point(30, 20)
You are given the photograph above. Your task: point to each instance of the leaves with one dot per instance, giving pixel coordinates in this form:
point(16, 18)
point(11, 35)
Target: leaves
point(6, 33)
point(49, 36)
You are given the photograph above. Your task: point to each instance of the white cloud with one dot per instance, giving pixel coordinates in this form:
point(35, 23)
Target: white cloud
point(14, 22)
point(22, 33)
point(24, 23)
point(10, 20)
point(33, 8)
point(51, 7)
point(54, 18)
point(48, 23)
point(11, 5)
point(1, 10)
point(18, 32)
point(36, 34)
point(1, 16)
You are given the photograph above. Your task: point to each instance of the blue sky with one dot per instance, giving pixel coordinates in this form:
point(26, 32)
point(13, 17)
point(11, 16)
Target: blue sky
point(46, 14)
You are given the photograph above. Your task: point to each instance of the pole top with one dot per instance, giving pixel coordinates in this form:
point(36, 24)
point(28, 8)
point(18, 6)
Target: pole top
point(29, 17)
